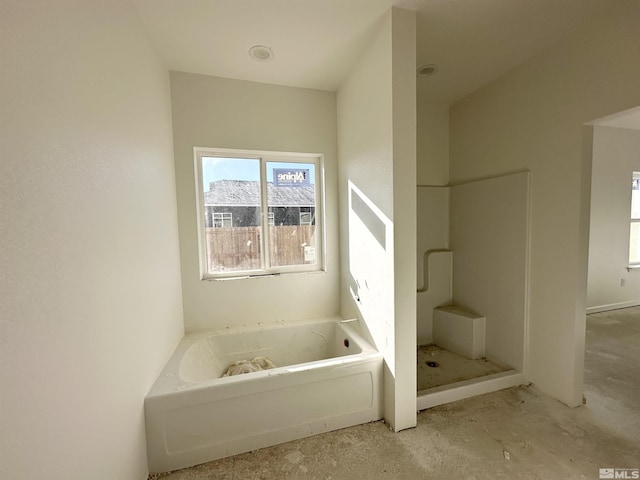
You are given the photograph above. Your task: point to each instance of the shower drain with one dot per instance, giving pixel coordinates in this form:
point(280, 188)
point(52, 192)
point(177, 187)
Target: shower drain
point(432, 364)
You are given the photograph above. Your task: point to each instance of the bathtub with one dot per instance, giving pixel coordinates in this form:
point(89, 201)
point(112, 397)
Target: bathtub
point(327, 377)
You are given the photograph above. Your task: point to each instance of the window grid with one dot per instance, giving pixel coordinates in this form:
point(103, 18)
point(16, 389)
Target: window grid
point(222, 219)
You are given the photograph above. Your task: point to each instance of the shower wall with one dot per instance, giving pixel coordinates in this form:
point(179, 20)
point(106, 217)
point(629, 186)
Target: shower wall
point(490, 243)
point(433, 236)
point(483, 228)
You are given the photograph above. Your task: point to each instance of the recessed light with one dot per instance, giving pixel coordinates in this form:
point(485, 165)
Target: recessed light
point(427, 70)
point(261, 53)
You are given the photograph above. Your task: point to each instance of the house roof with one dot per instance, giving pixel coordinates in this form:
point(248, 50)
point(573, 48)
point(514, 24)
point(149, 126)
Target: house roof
point(247, 193)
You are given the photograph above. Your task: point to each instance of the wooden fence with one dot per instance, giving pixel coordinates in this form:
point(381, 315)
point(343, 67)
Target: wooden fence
point(238, 248)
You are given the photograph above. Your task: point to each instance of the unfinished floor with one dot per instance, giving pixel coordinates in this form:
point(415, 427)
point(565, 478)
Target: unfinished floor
point(517, 433)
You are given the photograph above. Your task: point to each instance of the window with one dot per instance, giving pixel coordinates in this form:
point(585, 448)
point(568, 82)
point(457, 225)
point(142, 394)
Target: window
point(259, 213)
point(221, 220)
point(634, 230)
point(305, 216)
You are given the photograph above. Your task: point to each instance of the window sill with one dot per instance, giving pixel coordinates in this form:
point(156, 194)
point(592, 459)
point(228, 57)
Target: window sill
point(633, 267)
point(262, 275)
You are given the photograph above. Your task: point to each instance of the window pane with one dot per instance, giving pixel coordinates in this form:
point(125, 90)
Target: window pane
point(291, 196)
point(634, 244)
point(231, 194)
point(635, 196)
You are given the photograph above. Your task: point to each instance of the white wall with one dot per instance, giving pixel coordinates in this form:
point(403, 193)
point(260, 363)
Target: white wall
point(490, 243)
point(376, 141)
point(531, 118)
point(433, 139)
point(405, 213)
point(218, 112)
point(365, 150)
point(90, 303)
point(616, 154)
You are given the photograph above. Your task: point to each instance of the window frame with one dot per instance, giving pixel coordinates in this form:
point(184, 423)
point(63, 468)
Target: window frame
point(264, 157)
point(222, 217)
point(635, 175)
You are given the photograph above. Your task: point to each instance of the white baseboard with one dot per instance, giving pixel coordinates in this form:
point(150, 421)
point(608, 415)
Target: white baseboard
point(613, 306)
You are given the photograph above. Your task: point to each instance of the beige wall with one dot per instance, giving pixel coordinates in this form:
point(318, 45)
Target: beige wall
point(376, 139)
point(531, 118)
point(218, 112)
point(90, 303)
point(616, 154)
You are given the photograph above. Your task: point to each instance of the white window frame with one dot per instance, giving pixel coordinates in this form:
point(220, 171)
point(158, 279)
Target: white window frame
point(222, 217)
point(264, 157)
point(635, 175)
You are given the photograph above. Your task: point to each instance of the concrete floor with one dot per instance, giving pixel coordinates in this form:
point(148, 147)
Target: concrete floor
point(517, 433)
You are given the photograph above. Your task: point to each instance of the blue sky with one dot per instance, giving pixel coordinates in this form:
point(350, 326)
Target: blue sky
point(217, 168)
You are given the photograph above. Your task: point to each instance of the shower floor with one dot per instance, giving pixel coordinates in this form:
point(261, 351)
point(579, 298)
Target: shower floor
point(448, 367)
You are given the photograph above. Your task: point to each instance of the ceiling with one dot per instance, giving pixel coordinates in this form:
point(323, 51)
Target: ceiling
point(316, 42)
point(628, 119)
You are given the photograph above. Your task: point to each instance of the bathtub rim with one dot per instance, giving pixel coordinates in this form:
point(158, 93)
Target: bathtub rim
point(169, 381)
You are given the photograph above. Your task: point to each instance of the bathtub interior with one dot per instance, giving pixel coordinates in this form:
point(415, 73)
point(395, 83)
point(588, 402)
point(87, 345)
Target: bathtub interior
point(209, 356)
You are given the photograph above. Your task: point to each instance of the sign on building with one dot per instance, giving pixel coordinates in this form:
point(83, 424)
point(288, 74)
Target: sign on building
point(291, 177)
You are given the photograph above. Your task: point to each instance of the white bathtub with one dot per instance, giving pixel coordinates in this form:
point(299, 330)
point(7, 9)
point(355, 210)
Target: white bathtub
point(327, 377)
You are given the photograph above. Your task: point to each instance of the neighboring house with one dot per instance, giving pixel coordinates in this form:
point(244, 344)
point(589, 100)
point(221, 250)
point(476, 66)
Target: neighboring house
point(236, 203)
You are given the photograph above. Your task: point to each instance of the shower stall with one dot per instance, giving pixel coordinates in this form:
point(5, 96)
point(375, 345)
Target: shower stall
point(473, 251)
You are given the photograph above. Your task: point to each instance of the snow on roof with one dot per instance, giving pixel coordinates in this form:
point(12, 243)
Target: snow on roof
point(247, 193)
